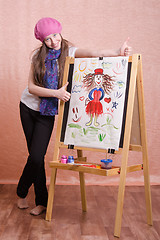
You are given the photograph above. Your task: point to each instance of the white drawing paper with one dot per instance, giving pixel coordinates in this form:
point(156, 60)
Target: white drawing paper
point(97, 102)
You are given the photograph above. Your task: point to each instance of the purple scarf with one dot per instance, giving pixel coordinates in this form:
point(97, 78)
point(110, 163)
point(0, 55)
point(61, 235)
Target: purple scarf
point(49, 105)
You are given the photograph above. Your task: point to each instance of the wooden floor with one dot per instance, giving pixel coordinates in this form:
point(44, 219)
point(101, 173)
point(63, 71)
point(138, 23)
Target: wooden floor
point(68, 220)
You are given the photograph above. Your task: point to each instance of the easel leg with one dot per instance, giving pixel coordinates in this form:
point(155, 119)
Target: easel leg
point(126, 142)
point(147, 192)
point(51, 195)
point(82, 185)
point(144, 142)
point(83, 192)
point(120, 200)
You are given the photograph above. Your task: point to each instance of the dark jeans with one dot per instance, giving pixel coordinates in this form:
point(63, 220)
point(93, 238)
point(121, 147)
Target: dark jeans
point(37, 130)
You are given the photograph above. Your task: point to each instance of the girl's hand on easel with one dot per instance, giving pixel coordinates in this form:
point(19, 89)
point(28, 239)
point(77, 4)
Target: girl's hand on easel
point(126, 50)
point(62, 94)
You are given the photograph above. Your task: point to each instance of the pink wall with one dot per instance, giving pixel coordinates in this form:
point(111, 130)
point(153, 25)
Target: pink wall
point(87, 23)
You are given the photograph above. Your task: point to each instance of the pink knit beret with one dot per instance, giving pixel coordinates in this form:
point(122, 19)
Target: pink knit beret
point(45, 27)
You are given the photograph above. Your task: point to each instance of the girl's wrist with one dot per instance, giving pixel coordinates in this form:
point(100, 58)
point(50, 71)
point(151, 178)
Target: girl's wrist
point(120, 52)
point(55, 93)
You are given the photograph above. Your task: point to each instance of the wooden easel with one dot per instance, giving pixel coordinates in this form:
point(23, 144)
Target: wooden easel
point(136, 85)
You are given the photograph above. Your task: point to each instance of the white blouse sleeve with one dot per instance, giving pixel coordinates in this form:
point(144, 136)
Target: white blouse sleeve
point(72, 51)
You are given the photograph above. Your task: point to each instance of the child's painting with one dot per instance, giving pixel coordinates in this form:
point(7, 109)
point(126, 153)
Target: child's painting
point(97, 102)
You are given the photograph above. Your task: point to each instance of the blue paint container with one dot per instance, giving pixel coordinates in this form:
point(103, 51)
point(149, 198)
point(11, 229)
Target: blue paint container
point(106, 163)
point(70, 160)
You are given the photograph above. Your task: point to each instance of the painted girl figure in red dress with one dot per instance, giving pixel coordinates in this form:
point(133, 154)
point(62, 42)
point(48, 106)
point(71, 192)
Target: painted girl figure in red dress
point(97, 84)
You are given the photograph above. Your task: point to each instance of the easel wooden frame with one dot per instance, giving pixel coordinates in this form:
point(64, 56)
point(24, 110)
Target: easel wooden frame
point(136, 80)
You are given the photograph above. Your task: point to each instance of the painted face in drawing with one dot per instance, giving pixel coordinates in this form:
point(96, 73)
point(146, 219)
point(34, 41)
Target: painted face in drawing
point(76, 117)
point(98, 79)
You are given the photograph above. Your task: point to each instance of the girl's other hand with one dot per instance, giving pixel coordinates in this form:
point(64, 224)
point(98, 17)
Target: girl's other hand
point(126, 50)
point(63, 94)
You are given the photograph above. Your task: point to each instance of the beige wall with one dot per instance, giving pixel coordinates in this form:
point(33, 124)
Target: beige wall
point(87, 23)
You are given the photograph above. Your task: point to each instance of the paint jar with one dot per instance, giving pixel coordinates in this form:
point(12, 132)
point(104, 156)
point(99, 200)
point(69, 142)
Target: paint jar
point(70, 153)
point(70, 160)
point(106, 163)
point(64, 159)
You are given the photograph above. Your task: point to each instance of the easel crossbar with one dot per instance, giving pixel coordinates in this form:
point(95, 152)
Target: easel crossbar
point(132, 147)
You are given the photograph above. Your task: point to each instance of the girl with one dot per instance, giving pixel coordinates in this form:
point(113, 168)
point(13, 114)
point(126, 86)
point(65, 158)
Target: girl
point(39, 104)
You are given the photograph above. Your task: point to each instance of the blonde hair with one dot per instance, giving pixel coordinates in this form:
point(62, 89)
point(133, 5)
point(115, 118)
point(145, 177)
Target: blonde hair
point(38, 61)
